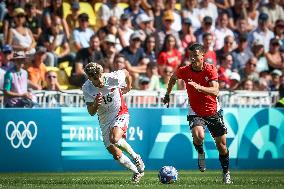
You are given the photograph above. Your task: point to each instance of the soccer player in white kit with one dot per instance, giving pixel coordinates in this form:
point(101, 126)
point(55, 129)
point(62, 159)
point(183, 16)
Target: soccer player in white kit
point(103, 95)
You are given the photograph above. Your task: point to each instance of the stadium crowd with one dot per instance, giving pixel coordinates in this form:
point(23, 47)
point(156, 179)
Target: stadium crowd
point(47, 43)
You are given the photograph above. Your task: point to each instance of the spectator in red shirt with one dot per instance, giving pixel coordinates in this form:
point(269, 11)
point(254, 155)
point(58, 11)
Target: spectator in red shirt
point(202, 89)
point(210, 56)
point(169, 56)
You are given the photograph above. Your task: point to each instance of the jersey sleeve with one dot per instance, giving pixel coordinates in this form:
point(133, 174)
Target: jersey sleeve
point(87, 96)
point(120, 77)
point(213, 74)
point(180, 73)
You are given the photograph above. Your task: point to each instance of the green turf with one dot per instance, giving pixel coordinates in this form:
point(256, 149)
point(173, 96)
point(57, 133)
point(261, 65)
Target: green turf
point(121, 179)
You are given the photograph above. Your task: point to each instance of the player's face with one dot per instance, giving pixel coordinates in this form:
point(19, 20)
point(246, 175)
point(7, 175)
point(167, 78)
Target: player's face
point(196, 58)
point(97, 82)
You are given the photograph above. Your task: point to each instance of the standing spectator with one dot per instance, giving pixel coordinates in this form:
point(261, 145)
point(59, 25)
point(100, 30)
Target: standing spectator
point(262, 32)
point(7, 55)
point(21, 37)
point(186, 34)
point(206, 27)
point(228, 47)
point(169, 55)
point(51, 81)
point(33, 21)
point(82, 34)
point(210, 55)
point(108, 9)
point(134, 10)
point(190, 11)
point(274, 12)
point(16, 85)
point(72, 18)
point(242, 53)
point(149, 48)
point(83, 57)
point(55, 40)
point(273, 56)
point(249, 71)
point(222, 30)
point(37, 69)
point(124, 30)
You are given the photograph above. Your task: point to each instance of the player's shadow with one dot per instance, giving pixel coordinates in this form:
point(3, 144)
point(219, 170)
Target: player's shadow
point(179, 152)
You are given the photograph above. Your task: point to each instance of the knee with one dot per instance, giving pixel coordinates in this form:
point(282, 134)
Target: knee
point(222, 148)
point(198, 136)
point(114, 139)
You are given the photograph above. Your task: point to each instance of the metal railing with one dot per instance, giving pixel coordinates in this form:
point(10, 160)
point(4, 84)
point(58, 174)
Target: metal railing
point(153, 99)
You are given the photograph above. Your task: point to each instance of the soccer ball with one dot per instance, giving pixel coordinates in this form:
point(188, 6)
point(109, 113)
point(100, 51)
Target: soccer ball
point(168, 175)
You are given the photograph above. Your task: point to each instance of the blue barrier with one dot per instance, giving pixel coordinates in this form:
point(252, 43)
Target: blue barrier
point(70, 139)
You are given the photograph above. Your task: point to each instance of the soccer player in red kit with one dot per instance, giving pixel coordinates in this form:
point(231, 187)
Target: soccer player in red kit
point(202, 89)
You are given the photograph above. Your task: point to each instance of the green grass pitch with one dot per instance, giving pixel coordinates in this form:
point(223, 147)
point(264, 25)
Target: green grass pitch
point(259, 179)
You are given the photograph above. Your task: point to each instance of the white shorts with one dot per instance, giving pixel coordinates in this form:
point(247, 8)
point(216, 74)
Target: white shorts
point(122, 122)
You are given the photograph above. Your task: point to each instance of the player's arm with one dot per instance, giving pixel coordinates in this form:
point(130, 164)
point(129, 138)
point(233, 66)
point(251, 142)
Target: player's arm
point(128, 81)
point(171, 84)
point(94, 106)
point(212, 90)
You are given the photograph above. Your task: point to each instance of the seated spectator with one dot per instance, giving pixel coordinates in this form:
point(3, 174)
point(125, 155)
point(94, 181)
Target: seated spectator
point(152, 74)
point(124, 30)
point(134, 10)
point(186, 34)
point(274, 12)
point(109, 51)
point(273, 56)
point(83, 57)
point(144, 25)
point(7, 55)
point(229, 46)
point(247, 85)
point(253, 14)
point(16, 85)
point(257, 50)
point(119, 62)
point(249, 71)
point(275, 80)
point(51, 83)
point(191, 11)
point(235, 80)
point(33, 21)
point(208, 8)
point(170, 6)
point(158, 13)
point(207, 26)
point(55, 40)
point(144, 82)
point(83, 33)
point(72, 19)
point(21, 37)
point(37, 69)
point(210, 56)
point(165, 78)
point(279, 31)
point(242, 27)
point(149, 48)
point(8, 20)
point(169, 55)
point(225, 72)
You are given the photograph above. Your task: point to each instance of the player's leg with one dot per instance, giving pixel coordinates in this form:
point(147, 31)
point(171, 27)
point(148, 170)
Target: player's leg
point(197, 126)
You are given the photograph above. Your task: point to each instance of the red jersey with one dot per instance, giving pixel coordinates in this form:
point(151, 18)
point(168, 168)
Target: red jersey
point(170, 59)
point(202, 104)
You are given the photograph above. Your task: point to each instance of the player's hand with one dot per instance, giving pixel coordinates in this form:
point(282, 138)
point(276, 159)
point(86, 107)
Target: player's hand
point(126, 89)
point(98, 99)
point(195, 85)
point(166, 100)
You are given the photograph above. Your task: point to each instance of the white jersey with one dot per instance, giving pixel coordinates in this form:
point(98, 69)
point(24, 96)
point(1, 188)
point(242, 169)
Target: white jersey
point(113, 103)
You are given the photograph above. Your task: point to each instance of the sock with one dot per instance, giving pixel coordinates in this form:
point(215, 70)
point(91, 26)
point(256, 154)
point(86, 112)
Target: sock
point(224, 160)
point(125, 162)
point(199, 148)
point(123, 144)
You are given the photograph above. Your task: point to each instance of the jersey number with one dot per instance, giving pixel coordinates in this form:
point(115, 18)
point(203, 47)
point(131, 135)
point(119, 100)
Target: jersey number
point(107, 99)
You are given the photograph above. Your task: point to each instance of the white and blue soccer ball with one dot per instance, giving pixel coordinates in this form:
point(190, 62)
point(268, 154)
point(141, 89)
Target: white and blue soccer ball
point(168, 175)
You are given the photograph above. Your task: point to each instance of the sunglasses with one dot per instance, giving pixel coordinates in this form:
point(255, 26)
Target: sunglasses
point(110, 44)
point(84, 20)
point(51, 76)
point(20, 16)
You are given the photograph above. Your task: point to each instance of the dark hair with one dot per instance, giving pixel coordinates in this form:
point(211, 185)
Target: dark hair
point(206, 34)
point(94, 36)
point(147, 39)
point(197, 46)
point(119, 55)
point(164, 48)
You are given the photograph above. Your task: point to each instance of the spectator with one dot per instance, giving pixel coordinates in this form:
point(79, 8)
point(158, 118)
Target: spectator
point(258, 52)
point(152, 74)
point(170, 6)
point(275, 80)
point(249, 71)
point(225, 72)
point(82, 34)
point(51, 81)
point(168, 19)
point(124, 30)
point(210, 55)
point(109, 51)
point(16, 85)
point(165, 78)
point(72, 18)
point(21, 37)
point(144, 25)
point(144, 82)
point(222, 30)
point(190, 11)
point(158, 13)
point(229, 43)
point(169, 55)
point(253, 14)
point(208, 8)
point(206, 27)
point(33, 21)
point(149, 48)
point(262, 32)
point(274, 12)
point(235, 80)
point(55, 40)
point(108, 9)
point(240, 9)
point(8, 20)
point(7, 55)
point(83, 57)
point(279, 31)
point(186, 34)
point(242, 53)
point(242, 27)
point(134, 10)
point(273, 56)
point(37, 69)
point(247, 85)
point(119, 62)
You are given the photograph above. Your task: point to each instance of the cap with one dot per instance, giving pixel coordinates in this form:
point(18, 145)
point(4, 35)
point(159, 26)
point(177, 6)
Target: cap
point(169, 15)
point(279, 22)
point(93, 69)
point(275, 41)
point(110, 38)
point(276, 72)
point(135, 35)
point(243, 37)
point(263, 17)
point(18, 11)
point(7, 49)
point(186, 21)
point(75, 5)
point(235, 76)
point(143, 18)
point(208, 19)
point(41, 49)
point(144, 80)
point(124, 16)
point(19, 55)
point(257, 42)
point(83, 15)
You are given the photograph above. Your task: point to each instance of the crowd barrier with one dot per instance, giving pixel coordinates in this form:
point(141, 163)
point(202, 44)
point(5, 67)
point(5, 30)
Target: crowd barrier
point(153, 99)
point(69, 139)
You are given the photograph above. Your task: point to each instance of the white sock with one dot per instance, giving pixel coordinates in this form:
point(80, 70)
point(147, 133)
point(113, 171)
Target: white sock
point(125, 162)
point(122, 143)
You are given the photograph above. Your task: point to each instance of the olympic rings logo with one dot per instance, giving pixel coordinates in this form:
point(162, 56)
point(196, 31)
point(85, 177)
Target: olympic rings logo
point(21, 134)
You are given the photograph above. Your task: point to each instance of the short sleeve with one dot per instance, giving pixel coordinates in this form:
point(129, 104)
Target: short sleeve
point(180, 73)
point(213, 74)
point(162, 59)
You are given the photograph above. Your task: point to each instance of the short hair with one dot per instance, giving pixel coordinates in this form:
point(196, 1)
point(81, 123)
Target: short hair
point(93, 69)
point(206, 34)
point(197, 46)
point(119, 55)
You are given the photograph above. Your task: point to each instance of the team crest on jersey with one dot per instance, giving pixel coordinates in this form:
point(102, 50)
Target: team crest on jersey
point(206, 78)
